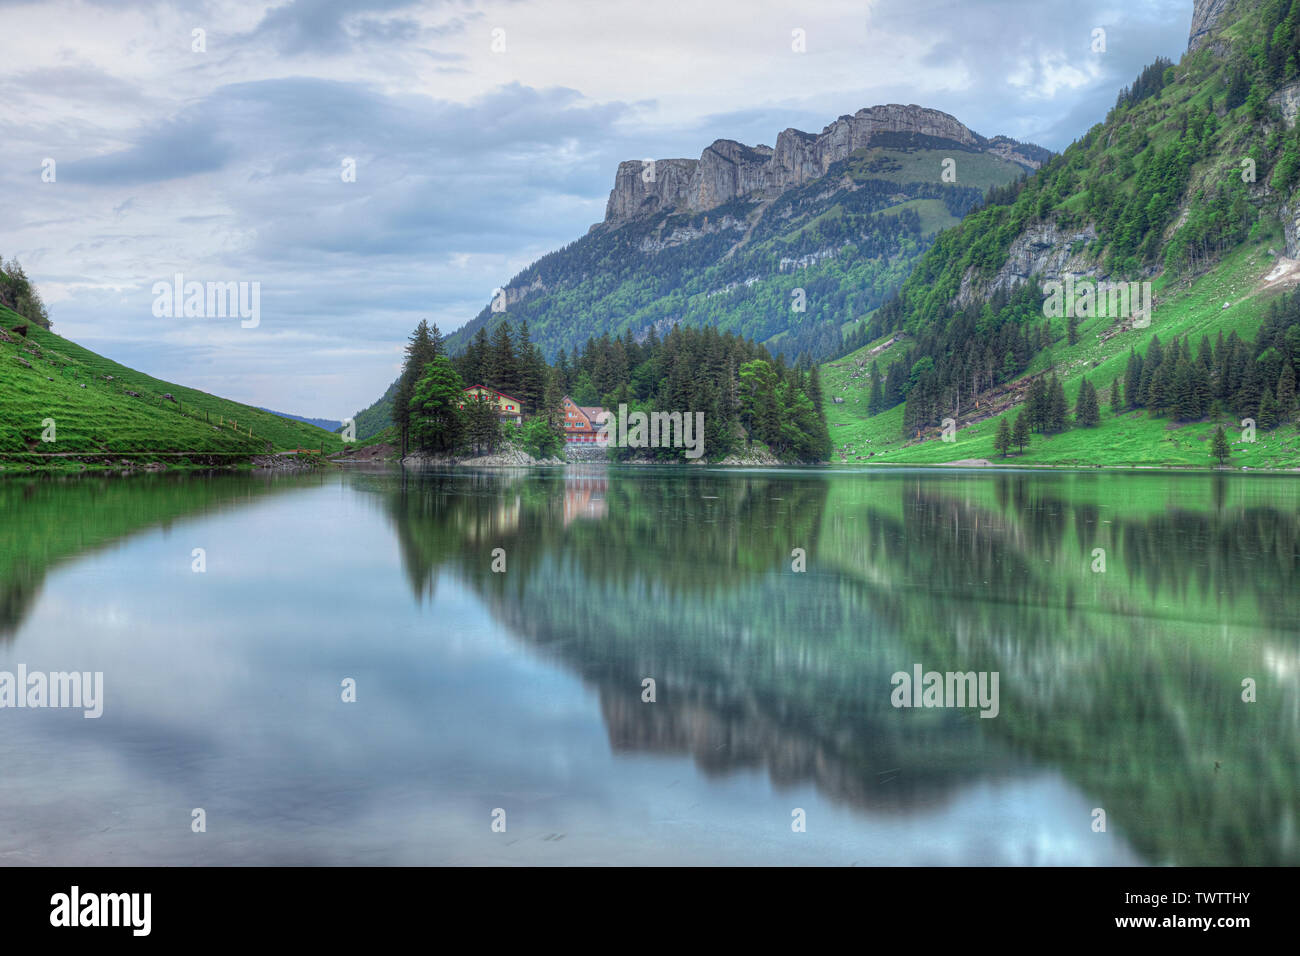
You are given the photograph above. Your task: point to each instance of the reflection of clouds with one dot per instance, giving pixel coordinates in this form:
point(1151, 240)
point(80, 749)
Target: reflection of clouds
point(222, 691)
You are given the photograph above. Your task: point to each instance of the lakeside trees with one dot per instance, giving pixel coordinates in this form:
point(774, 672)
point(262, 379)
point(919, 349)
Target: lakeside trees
point(745, 395)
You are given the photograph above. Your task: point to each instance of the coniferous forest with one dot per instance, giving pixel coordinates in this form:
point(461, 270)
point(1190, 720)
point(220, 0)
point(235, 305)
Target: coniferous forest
point(748, 397)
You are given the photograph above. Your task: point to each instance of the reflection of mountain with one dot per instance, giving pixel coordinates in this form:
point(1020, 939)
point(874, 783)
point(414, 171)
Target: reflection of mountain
point(50, 520)
point(1128, 682)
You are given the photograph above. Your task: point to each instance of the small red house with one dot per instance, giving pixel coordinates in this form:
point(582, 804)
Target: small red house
point(582, 422)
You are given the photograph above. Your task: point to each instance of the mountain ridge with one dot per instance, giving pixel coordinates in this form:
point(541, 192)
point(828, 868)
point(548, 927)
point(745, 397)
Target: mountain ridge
point(727, 169)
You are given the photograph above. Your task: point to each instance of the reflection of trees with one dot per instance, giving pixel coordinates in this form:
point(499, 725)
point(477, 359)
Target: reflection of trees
point(1129, 680)
point(686, 578)
point(1126, 681)
point(49, 520)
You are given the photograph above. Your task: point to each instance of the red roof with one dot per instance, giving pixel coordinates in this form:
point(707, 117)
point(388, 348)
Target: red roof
point(493, 391)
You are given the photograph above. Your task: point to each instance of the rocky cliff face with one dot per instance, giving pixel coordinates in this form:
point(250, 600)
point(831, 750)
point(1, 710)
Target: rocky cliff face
point(728, 170)
point(1205, 17)
point(1042, 252)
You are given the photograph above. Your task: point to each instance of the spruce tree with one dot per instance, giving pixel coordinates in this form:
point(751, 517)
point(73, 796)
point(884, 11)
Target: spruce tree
point(1057, 408)
point(1087, 410)
point(500, 364)
point(1133, 380)
point(1037, 404)
point(423, 347)
point(1002, 442)
point(815, 388)
point(1220, 449)
point(876, 403)
point(1267, 416)
point(1020, 432)
point(1286, 392)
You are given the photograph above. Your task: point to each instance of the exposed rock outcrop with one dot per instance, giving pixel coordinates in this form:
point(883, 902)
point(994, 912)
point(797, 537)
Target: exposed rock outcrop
point(1287, 100)
point(1205, 17)
point(728, 170)
point(1042, 252)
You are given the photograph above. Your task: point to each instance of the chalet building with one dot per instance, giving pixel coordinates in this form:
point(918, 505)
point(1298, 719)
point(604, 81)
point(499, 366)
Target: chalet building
point(582, 422)
point(509, 409)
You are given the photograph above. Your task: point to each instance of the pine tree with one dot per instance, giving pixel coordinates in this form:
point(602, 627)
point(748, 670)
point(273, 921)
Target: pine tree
point(1286, 392)
point(423, 347)
point(1220, 449)
point(1133, 380)
point(876, 403)
point(531, 371)
point(815, 388)
point(500, 364)
point(1020, 433)
point(1267, 416)
point(470, 363)
point(1002, 442)
point(1116, 397)
point(1057, 408)
point(1087, 411)
point(1037, 404)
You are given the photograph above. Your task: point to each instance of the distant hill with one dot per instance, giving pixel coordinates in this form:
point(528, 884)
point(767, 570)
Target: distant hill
point(378, 416)
point(100, 406)
point(329, 424)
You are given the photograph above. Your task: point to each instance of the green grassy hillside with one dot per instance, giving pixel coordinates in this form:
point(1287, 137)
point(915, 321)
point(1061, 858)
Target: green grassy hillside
point(1190, 184)
point(43, 376)
point(1129, 439)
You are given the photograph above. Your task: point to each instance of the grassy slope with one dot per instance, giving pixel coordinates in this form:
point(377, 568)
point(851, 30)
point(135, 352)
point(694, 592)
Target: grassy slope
point(102, 418)
point(1133, 439)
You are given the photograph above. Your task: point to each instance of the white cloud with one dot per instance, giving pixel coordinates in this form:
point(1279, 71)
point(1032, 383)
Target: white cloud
point(225, 164)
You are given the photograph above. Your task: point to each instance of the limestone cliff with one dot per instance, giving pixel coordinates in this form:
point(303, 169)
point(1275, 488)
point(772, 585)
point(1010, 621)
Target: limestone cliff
point(1205, 17)
point(728, 170)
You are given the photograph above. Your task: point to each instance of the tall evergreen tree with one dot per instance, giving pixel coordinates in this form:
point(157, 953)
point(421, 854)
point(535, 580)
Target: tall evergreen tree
point(1057, 408)
point(1267, 416)
point(437, 424)
point(1002, 441)
point(1220, 448)
point(424, 345)
point(1286, 392)
point(500, 365)
point(815, 387)
point(1133, 380)
point(1087, 410)
point(1036, 404)
point(1020, 432)
point(876, 402)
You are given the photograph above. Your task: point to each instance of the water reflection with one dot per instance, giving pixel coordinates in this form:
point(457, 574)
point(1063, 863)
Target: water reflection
point(1126, 677)
point(1120, 688)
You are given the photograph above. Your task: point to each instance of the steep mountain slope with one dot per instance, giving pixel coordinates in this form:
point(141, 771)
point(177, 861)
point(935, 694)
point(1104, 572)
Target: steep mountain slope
point(101, 407)
point(1190, 184)
point(790, 245)
point(786, 245)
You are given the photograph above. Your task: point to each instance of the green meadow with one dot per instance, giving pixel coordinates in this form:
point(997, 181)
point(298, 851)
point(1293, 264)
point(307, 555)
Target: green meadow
point(44, 378)
point(1131, 439)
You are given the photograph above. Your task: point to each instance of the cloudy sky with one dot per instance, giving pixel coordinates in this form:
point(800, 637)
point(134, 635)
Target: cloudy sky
point(484, 134)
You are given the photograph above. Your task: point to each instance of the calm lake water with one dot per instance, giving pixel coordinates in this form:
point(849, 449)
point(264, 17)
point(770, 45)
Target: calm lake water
point(1120, 690)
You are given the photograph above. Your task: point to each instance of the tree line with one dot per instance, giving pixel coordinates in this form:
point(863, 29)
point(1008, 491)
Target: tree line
point(745, 394)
